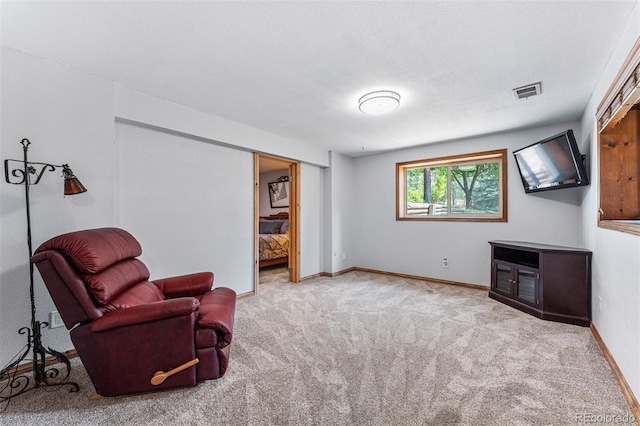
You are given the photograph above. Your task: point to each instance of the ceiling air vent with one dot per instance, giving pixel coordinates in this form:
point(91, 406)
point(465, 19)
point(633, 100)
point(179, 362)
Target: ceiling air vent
point(527, 91)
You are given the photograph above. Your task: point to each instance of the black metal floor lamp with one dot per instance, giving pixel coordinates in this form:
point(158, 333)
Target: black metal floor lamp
point(29, 173)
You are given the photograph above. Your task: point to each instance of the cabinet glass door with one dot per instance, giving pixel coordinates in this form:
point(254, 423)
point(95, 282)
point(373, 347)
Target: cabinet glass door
point(527, 285)
point(503, 278)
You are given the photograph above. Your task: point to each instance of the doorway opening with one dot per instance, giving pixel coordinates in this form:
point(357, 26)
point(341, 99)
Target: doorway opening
point(276, 211)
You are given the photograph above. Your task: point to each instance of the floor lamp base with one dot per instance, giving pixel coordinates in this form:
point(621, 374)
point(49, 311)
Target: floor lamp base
point(40, 375)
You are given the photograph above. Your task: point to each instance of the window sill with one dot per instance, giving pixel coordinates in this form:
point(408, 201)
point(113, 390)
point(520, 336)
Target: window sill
point(452, 218)
point(629, 226)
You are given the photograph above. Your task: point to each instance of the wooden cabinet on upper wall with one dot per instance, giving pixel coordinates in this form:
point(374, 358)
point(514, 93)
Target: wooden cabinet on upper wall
point(618, 119)
point(620, 169)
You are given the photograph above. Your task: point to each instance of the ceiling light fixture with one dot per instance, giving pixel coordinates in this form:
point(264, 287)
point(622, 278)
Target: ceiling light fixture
point(380, 102)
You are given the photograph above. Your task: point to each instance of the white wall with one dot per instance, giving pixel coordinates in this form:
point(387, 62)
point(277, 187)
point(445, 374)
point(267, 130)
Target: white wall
point(181, 120)
point(616, 255)
point(188, 202)
point(417, 247)
point(311, 220)
point(265, 208)
point(340, 244)
point(142, 108)
point(68, 116)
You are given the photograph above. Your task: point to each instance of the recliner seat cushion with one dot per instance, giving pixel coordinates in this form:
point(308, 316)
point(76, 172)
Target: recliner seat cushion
point(140, 294)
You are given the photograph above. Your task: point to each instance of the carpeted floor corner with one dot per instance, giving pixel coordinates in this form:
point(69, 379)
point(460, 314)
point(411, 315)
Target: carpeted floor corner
point(368, 349)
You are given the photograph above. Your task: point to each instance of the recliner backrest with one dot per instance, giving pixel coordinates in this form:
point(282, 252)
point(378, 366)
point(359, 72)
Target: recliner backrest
point(102, 273)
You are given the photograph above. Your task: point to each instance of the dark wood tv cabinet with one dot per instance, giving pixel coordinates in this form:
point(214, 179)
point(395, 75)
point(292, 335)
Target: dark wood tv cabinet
point(546, 281)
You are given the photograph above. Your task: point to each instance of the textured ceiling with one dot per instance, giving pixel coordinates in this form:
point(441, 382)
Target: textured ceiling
point(297, 69)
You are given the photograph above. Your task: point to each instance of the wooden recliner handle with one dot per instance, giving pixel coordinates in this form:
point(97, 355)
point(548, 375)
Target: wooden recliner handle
point(161, 376)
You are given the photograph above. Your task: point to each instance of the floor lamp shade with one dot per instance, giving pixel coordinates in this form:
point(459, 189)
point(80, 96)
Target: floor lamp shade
point(72, 185)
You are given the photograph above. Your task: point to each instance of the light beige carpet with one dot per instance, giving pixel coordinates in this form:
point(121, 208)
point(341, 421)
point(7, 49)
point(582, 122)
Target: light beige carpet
point(367, 349)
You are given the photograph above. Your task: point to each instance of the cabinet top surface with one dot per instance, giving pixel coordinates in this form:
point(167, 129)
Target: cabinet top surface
point(536, 246)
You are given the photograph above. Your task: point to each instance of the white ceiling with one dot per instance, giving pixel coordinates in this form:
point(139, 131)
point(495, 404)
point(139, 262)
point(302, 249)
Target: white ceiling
point(297, 68)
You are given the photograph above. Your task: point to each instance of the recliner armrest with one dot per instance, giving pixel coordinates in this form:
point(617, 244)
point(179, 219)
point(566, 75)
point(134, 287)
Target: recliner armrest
point(146, 313)
point(190, 285)
point(217, 311)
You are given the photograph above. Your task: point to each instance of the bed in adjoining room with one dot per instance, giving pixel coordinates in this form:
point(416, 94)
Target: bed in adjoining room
point(273, 240)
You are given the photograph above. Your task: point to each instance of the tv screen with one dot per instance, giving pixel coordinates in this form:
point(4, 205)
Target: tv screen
point(553, 163)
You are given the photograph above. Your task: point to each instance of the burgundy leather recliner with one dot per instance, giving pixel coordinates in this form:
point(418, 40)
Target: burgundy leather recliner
point(127, 329)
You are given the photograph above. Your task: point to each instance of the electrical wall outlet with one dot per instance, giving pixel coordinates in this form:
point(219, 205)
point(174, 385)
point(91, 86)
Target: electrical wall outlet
point(344, 256)
point(54, 320)
point(445, 262)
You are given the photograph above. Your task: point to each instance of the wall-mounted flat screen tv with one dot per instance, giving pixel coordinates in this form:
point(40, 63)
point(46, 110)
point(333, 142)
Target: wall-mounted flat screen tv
point(552, 163)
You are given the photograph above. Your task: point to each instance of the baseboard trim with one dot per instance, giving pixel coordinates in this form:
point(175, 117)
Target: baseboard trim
point(310, 277)
point(420, 278)
point(624, 386)
point(395, 274)
point(247, 294)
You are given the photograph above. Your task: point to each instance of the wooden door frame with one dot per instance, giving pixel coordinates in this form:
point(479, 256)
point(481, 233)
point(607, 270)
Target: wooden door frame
point(294, 214)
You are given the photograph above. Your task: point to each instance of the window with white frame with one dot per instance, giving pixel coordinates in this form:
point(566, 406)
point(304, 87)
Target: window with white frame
point(470, 187)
